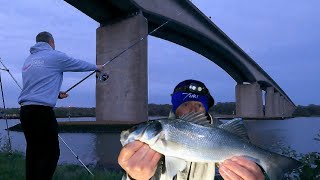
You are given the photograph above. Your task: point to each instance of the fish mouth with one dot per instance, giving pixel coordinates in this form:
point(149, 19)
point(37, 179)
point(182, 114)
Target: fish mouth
point(124, 137)
point(147, 132)
point(132, 134)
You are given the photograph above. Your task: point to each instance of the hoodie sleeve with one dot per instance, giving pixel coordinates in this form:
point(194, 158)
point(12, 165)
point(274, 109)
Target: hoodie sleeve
point(68, 63)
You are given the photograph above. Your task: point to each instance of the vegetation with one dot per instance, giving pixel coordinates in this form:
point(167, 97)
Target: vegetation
point(12, 166)
point(226, 108)
point(307, 111)
point(75, 112)
point(311, 163)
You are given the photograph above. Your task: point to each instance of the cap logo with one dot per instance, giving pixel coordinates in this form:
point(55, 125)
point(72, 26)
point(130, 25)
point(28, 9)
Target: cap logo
point(190, 95)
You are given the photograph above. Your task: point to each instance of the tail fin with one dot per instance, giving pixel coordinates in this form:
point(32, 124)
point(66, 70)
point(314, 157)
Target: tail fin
point(278, 165)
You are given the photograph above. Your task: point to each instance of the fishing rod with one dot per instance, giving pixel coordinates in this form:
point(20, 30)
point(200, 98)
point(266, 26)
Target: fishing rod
point(105, 77)
point(77, 157)
point(4, 109)
point(10, 74)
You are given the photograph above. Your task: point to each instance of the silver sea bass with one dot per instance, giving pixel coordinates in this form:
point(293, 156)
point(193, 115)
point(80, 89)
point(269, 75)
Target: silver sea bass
point(187, 140)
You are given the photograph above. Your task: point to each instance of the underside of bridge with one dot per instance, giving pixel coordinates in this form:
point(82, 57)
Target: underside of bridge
point(124, 99)
point(187, 26)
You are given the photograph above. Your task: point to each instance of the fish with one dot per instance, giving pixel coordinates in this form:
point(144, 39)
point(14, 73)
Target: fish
point(192, 139)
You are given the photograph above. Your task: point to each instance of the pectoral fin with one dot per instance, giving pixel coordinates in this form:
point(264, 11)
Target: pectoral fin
point(174, 165)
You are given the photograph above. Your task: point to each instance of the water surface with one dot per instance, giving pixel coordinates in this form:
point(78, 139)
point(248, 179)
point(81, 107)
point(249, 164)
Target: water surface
point(298, 133)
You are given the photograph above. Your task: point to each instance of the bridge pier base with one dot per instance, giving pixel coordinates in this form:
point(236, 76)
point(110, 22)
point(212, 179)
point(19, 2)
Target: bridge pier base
point(249, 101)
point(123, 98)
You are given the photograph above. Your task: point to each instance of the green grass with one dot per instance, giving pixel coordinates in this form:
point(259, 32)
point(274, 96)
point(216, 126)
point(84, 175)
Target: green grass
point(12, 166)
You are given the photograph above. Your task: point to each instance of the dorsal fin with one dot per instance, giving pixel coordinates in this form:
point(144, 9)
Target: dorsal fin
point(196, 118)
point(235, 126)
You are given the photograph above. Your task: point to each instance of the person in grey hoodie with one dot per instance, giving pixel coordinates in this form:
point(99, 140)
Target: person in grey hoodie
point(42, 76)
point(143, 163)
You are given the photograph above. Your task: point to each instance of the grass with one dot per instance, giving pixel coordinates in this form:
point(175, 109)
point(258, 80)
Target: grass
point(12, 166)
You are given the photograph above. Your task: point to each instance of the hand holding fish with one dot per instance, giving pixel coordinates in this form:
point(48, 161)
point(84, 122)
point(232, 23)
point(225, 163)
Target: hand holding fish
point(185, 140)
point(139, 160)
point(240, 168)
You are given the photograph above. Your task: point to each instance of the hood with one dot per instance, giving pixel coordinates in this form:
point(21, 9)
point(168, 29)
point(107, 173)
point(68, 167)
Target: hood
point(40, 46)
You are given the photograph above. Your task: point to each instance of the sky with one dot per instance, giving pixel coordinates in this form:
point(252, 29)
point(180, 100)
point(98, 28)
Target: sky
point(281, 36)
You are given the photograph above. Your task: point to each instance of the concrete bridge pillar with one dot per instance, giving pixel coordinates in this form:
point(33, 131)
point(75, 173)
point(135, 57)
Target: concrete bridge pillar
point(269, 98)
point(285, 108)
point(123, 98)
point(249, 100)
point(276, 105)
point(291, 109)
point(282, 108)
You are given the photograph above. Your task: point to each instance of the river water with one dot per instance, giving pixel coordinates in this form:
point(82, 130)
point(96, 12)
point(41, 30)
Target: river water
point(298, 133)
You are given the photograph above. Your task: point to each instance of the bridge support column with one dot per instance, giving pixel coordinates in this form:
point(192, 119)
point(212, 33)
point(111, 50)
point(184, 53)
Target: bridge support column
point(123, 98)
point(287, 109)
point(291, 109)
point(282, 108)
point(269, 97)
point(276, 105)
point(249, 101)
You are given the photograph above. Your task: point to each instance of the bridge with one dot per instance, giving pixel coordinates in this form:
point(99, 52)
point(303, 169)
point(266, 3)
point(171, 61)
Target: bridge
point(124, 22)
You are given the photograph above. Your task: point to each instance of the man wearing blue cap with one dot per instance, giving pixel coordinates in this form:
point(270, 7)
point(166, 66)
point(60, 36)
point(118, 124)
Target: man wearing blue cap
point(141, 162)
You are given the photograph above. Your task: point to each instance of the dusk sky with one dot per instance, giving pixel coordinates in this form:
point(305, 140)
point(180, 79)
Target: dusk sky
point(281, 36)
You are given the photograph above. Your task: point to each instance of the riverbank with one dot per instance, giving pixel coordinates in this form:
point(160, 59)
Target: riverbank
point(84, 127)
point(224, 108)
point(12, 166)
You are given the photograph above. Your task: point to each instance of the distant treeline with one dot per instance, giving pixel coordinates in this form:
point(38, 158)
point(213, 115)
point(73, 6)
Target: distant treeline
point(307, 111)
point(226, 108)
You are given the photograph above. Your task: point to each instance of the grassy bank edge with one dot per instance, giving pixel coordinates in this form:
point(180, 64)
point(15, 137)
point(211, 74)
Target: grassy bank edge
point(12, 166)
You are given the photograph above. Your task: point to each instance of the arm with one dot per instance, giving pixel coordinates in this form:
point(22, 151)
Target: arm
point(240, 168)
point(139, 160)
point(67, 63)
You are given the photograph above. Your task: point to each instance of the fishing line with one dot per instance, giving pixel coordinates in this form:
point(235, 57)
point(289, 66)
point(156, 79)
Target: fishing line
point(123, 51)
point(77, 157)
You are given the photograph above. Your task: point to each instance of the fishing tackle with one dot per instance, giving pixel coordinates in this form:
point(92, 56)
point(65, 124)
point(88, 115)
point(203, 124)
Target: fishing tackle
point(103, 77)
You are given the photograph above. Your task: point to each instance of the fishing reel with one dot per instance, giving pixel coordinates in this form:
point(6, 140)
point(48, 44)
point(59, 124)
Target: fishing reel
point(102, 77)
